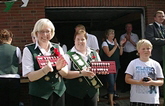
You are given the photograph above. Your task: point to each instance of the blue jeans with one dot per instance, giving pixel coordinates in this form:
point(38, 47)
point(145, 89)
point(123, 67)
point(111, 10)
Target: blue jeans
point(111, 79)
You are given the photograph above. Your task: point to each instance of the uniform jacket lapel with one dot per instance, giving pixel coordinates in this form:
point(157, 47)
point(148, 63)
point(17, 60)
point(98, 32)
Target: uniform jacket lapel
point(158, 30)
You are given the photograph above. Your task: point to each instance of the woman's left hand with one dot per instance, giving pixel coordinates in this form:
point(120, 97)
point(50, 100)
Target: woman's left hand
point(60, 63)
point(123, 41)
point(115, 42)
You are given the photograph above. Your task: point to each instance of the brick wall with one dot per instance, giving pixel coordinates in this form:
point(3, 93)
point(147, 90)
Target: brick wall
point(21, 20)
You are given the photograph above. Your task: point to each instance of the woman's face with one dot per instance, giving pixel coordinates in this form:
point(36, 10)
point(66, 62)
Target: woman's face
point(80, 42)
point(44, 35)
point(111, 35)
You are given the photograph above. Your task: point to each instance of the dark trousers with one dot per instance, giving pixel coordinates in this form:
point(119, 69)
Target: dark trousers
point(86, 101)
point(125, 60)
point(9, 91)
point(54, 100)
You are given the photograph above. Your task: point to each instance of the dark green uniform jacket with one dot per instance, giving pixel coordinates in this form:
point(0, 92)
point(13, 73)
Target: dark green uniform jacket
point(48, 84)
point(9, 61)
point(78, 87)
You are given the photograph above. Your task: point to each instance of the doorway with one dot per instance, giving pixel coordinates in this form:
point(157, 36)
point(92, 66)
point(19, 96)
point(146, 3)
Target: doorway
point(96, 20)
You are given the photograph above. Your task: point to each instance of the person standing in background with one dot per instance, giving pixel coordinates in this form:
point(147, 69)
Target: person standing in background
point(9, 70)
point(111, 51)
point(129, 52)
point(155, 33)
point(92, 41)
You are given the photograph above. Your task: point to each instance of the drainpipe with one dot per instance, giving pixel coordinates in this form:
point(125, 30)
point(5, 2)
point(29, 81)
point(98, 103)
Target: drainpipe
point(164, 74)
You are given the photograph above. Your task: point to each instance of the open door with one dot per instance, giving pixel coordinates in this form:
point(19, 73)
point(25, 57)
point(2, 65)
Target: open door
point(96, 20)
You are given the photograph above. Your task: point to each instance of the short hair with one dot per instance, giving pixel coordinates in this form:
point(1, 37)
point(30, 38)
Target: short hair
point(80, 32)
point(82, 27)
point(5, 34)
point(158, 12)
point(41, 23)
point(108, 31)
point(143, 42)
point(127, 24)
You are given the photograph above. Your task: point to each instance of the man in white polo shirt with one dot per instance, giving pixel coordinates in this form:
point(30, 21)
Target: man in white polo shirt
point(92, 41)
point(129, 52)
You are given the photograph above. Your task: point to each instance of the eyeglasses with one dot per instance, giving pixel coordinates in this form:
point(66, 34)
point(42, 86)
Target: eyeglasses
point(44, 32)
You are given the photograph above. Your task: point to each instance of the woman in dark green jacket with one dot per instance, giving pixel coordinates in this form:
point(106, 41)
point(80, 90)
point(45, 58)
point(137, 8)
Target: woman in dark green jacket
point(46, 85)
point(9, 70)
point(80, 92)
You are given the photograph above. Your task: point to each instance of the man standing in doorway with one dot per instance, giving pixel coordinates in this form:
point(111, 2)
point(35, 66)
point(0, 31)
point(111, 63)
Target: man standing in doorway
point(155, 33)
point(129, 52)
point(92, 41)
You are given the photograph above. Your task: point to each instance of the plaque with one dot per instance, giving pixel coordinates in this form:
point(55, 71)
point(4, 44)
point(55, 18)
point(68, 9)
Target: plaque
point(103, 67)
point(42, 60)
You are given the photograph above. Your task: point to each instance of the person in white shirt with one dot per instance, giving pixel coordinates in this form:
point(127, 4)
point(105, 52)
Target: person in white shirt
point(111, 51)
point(145, 76)
point(92, 41)
point(46, 86)
point(79, 91)
point(129, 52)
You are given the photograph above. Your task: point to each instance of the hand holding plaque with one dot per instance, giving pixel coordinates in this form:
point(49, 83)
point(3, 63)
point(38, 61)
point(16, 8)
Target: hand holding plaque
point(60, 63)
point(55, 58)
point(42, 60)
point(87, 73)
point(103, 67)
point(47, 68)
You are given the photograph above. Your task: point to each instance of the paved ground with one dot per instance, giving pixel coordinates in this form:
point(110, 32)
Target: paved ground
point(122, 101)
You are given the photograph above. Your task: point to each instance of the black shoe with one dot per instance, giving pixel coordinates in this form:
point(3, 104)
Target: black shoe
point(116, 96)
point(116, 104)
point(106, 96)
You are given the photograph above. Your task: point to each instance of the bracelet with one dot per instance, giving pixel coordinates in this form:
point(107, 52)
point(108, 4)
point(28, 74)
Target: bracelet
point(80, 73)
